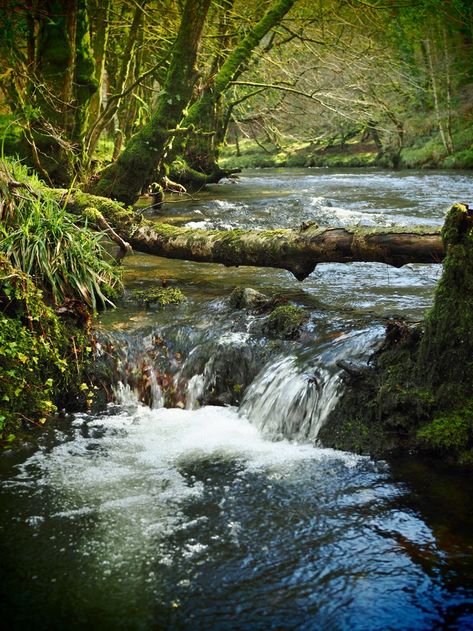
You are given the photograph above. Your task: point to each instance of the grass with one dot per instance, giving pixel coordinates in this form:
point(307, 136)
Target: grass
point(295, 154)
point(57, 250)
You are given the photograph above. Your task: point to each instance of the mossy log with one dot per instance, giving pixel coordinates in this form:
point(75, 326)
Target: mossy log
point(297, 250)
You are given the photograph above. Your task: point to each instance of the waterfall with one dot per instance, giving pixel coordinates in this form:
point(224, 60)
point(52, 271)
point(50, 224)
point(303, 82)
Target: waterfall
point(288, 401)
point(289, 396)
point(292, 396)
point(135, 368)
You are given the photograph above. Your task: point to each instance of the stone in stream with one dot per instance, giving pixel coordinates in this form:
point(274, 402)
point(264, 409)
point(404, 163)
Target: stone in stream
point(286, 322)
point(248, 298)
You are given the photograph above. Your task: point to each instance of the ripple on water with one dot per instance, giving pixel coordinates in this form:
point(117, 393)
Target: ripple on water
point(194, 516)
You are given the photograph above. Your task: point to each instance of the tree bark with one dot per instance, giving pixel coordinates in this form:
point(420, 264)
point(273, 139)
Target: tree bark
point(125, 179)
point(101, 14)
point(296, 250)
point(201, 151)
point(113, 105)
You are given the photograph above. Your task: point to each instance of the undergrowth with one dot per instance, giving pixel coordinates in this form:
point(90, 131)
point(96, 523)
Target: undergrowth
point(59, 251)
point(41, 355)
point(54, 273)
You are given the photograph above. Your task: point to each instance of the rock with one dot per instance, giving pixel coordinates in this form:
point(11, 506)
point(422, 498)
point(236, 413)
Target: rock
point(285, 322)
point(248, 298)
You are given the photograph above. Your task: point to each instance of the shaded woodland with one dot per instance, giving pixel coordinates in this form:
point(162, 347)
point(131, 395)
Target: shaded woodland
point(120, 95)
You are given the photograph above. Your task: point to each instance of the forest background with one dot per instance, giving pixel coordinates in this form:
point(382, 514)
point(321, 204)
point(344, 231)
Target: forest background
point(294, 82)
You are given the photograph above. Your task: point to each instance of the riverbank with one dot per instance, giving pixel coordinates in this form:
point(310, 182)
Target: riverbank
point(424, 152)
point(55, 273)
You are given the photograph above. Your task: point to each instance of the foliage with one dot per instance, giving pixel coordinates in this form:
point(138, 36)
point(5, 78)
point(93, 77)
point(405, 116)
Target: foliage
point(40, 353)
point(452, 431)
point(63, 255)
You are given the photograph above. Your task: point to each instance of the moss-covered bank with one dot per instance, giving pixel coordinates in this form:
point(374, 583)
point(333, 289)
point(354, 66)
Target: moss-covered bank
point(417, 394)
point(54, 273)
point(44, 354)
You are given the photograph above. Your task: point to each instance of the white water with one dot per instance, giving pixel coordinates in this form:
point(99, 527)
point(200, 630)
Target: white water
point(123, 476)
point(287, 401)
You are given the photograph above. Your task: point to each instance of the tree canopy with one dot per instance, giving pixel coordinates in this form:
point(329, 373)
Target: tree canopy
point(119, 95)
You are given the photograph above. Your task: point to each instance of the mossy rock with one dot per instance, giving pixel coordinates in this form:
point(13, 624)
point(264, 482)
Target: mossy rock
point(158, 296)
point(286, 322)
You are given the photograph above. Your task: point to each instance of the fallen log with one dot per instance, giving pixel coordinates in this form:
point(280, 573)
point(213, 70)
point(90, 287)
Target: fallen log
point(296, 250)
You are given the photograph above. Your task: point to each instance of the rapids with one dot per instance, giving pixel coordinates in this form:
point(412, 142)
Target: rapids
point(231, 516)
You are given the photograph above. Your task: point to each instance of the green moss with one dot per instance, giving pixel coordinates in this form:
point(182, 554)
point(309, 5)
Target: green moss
point(445, 359)
point(450, 432)
point(285, 321)
point(356, 433)
point(162, 296)
point(226, 247)
point(42, 355)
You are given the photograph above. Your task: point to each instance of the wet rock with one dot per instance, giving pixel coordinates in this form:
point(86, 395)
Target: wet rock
point(248, 298)
point(286, 322)
point(224, 369)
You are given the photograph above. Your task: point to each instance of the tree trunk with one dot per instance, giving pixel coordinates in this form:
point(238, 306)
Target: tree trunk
point(296, 250)
point(113, 103)
point(65, 66)
point(135, 167)
point(55, 65)
point(99, 44)
point(435, 94)
point(202, 151)
point(86, 84)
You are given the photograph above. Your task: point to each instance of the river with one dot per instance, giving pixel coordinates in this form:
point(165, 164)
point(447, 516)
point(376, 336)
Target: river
point(205, 516)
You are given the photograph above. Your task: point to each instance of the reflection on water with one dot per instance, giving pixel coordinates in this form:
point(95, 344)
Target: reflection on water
point(143, 518)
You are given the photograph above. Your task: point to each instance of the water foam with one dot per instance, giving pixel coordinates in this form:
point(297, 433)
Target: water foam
point(287, 401)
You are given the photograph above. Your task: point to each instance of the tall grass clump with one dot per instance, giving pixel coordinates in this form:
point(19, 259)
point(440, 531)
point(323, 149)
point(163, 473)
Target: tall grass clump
point(59, 251)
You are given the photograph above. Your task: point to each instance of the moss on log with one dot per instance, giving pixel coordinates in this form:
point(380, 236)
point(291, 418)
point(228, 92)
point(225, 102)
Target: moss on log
point(296, 250)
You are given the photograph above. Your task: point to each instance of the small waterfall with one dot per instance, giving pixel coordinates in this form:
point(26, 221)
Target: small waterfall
point(292, 402)
point(145, 390)
point(135, 368)
point(218, 370)
point(195, 391)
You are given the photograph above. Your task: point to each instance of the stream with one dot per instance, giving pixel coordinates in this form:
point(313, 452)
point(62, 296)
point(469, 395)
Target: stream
point(222, 511)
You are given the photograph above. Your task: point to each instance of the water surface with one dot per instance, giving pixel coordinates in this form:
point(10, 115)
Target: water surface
point(227, 518)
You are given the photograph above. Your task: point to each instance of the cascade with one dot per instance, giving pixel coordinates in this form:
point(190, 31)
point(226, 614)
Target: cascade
point(287, 395)
point(286, 401)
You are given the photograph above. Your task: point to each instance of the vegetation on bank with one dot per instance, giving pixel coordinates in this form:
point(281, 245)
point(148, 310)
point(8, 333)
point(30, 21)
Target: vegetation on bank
point(418, 391)
point(54, 273)
point(44, 353)
point(425, 152)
